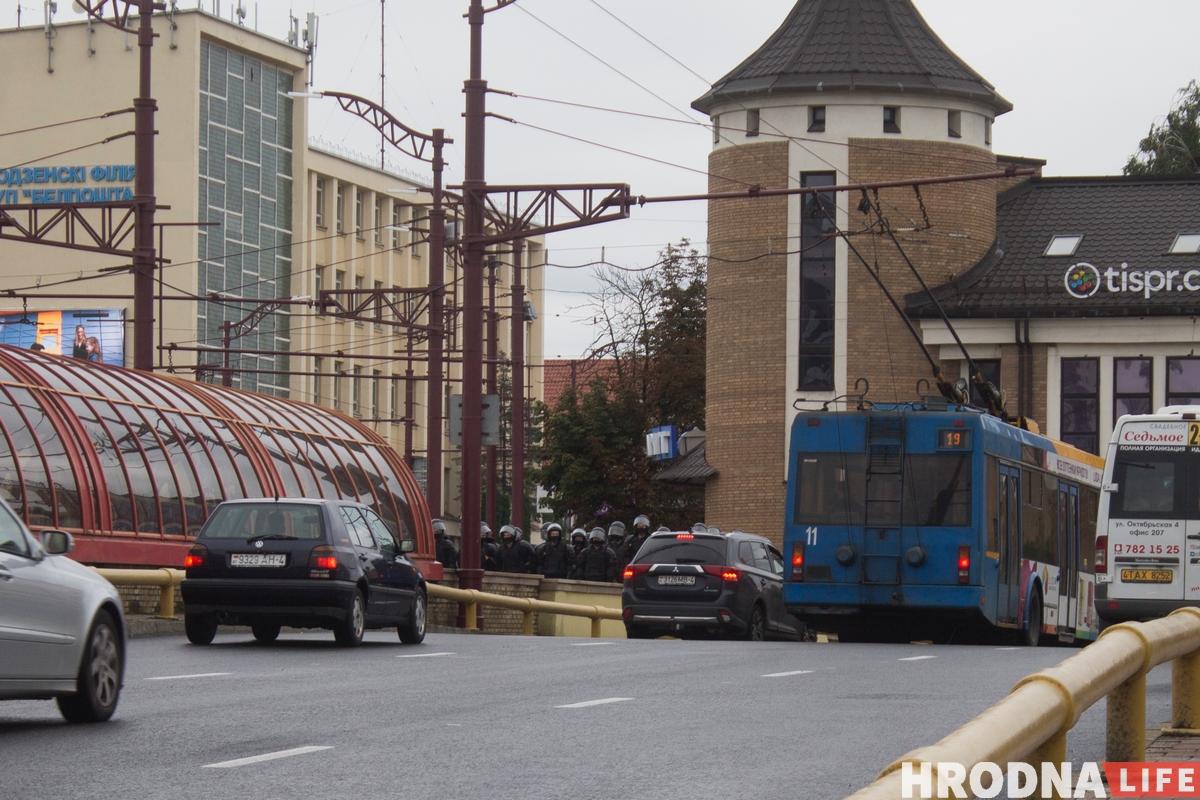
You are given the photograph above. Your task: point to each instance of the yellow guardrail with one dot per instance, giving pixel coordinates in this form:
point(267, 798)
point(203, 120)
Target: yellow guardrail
point(1030, 725)
point(527, 605)
point(166, 579)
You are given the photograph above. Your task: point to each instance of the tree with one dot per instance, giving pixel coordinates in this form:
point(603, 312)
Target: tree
point(651, 323)
point(1173, 145)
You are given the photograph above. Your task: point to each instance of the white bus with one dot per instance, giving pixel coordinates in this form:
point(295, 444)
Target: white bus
point(1148, 535)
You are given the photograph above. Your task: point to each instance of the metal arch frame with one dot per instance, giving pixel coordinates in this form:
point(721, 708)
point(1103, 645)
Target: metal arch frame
point(70, 221)
point(396, 133)
point(509, 211)
point(120, 20)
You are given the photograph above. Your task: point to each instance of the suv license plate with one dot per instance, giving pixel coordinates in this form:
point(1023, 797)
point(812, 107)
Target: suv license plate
point(676, 580)
point(1146, 576)
point(258, 559)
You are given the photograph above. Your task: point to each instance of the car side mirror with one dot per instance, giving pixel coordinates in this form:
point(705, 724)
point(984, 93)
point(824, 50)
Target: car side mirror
point(408, 546)
point(57, 543)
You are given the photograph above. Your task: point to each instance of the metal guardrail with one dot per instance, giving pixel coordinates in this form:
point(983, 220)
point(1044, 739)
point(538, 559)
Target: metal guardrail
point(165, 578)
point(527, 605)
point(1031, 724)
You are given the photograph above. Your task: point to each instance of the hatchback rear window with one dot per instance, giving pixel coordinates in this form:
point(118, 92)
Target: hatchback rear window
point(667, 550)
point(278, 520)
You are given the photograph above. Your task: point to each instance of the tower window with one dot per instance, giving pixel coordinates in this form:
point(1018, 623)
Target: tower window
point(891, 119)
point(752, 122)
point(816, 119)
point(987, 131)
point(954, 124)
point(716, 129)
point(818, 284)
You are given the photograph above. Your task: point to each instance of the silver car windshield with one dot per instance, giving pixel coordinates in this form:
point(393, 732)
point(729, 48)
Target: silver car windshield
point(12, 536)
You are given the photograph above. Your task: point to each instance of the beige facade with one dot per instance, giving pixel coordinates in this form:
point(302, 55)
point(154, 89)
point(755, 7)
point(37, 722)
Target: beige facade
point(233, 152)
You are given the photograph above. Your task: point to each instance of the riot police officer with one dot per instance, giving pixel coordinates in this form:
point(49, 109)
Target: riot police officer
point(597, 562)
point(488, 551)
point(555, 558)
point(514, 554)
point(446, 552)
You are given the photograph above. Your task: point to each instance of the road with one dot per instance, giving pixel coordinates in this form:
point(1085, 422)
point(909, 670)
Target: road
point(512, 717)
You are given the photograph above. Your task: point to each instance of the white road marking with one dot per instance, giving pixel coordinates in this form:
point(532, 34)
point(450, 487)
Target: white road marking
point(590, 644)
point(786, 674)
point(916, 658)
point(241, 762)
point(1010, 648)
point(588, 703)
point(184, 677)
point(426, 655)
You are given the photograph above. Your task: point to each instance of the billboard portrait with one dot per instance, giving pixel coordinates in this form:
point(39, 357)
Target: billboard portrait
point(96, 335)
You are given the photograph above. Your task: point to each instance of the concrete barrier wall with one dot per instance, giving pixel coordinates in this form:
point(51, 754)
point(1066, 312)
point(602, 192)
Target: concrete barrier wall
point(508, 621)
point(583, 593)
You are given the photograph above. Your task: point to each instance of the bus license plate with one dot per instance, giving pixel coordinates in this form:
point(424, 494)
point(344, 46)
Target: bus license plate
point(676, 580)
point(258, 559)
point(1146, 576)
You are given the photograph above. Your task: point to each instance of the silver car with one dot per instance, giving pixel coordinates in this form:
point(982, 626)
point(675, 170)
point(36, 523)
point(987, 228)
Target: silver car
point(62, 632)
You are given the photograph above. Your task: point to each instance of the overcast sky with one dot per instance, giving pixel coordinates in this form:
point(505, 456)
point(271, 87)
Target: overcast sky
point(1086, 77)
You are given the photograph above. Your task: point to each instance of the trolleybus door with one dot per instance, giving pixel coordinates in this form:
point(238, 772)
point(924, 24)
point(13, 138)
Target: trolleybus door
point(1008, 593)
point(1068, 544)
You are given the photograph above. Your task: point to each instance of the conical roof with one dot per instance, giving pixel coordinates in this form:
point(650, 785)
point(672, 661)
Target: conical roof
point(853, 45)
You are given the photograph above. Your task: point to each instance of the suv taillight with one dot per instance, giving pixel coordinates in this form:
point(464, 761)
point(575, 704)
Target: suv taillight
point(323, 557)
point(1101, 555)
point(964, 563)
point(196, 557)
point(798, 561)
point(633, 570)
point(727, 574)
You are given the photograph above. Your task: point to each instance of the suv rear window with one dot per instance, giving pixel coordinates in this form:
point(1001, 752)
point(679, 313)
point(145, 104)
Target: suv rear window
point(702, 550)
point(246, 520)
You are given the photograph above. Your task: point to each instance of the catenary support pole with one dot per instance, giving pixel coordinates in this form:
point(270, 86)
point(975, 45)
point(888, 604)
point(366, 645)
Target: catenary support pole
point(493, 352)
point(143, 190)
point(437, 333)
point(518, 385)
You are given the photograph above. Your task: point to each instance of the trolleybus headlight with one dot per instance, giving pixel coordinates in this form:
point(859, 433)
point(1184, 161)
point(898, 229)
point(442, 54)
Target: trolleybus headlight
point(845, 555)
point(915, 556)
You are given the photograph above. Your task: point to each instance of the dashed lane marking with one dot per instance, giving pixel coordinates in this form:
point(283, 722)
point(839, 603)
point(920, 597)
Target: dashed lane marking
point(425, 655)
point(786, 674)
point(590, 644)
point(588, 703)
point(916, 658)
point(186, 677)
point(1010, 648)
point(241, 762)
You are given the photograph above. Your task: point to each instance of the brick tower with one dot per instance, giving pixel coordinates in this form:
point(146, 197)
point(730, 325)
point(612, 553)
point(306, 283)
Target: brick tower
point(844, 91)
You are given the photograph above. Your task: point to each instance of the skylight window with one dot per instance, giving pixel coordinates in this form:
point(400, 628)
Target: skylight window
point(1063, 246)
point(1188, 243)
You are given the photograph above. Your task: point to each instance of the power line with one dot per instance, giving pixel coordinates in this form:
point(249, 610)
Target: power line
point(73, 149)
point(68, 122)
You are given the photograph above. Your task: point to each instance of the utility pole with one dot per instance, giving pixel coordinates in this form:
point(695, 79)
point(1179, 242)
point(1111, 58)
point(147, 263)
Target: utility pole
point(518, 385)
point(143, 190)
point(382, 80)
point(437, 334)
point(493, 355)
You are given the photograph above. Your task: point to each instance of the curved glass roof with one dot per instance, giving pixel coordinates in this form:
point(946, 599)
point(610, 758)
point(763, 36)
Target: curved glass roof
point(115, 455)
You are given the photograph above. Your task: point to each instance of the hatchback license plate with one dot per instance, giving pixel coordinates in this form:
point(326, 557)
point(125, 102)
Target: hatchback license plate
point(258, 559)
point(1146, 576)
point(676, 580)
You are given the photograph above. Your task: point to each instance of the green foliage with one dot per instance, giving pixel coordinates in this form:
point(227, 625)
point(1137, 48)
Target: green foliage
point(652, 326)
point(1173, 145)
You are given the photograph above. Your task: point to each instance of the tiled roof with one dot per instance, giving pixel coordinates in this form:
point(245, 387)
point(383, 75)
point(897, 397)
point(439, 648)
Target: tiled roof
point(1131, 221)
point(559, 374)
point(843, 45)
point(691, 469)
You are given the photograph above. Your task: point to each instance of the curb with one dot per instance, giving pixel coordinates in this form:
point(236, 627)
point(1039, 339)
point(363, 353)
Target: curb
point(143, 626)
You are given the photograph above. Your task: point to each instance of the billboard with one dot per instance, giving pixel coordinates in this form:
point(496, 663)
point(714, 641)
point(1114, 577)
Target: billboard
point(93, 334)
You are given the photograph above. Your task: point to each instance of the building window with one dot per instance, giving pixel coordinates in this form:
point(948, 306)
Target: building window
point(376, 376)
point(1183, 381)
point(1081, 403)
point(891, 119)
point(989, 368)
point(987, 130)
point(417, 214)
point(358, 213)
point(954, 124)
point(358, 298)
point(395, 225)
point(752, 122)
point(1063, 245)
point(318, 363)
point(1185, 243)
point(339, 285)
point(378, 302)
point(716, 128)
point(341, 208)
point(318, 287)
point(320, 203)
point(338, 368)
point(378, 220)
point(1132, 382)
point(395, 397)
point(356, 393)
point(818, 271)
point(816, 119)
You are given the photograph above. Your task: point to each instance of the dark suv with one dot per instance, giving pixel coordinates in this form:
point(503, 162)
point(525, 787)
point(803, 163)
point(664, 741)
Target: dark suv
point(712, 583)
point(304, 564)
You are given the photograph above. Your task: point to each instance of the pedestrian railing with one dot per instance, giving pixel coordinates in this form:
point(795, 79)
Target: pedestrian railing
point(1030, 725)
point(166, 579)
point(471, 598)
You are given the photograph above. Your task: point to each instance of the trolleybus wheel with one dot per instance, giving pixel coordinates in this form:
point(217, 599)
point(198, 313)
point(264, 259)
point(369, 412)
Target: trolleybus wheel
point(1033, 633)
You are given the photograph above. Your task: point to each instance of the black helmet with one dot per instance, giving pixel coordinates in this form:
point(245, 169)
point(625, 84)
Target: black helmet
point(551, 529)
point(439, 528)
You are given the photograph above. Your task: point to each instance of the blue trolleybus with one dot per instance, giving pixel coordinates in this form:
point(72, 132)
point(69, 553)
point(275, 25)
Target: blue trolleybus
point(935, 520)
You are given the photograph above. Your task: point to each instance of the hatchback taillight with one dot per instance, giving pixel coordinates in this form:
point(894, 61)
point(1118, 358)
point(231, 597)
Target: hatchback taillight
point(964, 563)
point(323, 557)
point(633, 570)
point(196, 557)
point(1101, 555)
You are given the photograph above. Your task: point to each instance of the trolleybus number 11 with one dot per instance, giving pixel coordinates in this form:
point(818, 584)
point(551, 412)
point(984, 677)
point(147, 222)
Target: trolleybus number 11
point(812, 536)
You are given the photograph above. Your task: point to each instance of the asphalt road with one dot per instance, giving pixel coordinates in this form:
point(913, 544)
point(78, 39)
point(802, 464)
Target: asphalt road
point(495, 717)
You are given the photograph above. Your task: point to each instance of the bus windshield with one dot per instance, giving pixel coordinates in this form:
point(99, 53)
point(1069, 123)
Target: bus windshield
point(1151, 484)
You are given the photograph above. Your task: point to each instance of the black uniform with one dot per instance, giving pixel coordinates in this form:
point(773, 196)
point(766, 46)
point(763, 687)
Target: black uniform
point(624, 556)
point(555, 560)
point(517, 557)
point(447, 553)
point(633, 544)
point(489, 555)
point(597, 564)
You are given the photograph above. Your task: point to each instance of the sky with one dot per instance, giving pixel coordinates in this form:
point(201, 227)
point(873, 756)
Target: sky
point(1087, 79)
